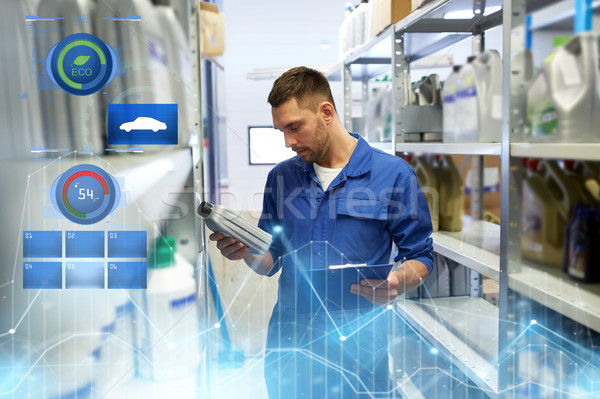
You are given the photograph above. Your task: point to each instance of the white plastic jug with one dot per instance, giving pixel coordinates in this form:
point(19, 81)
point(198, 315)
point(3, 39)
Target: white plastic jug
point(169, 337)
point(563, 102)
point(479, 100)
point(449, 108)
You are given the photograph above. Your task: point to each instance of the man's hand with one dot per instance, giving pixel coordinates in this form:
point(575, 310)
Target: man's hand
point(236, 250)
point(229, 247)
point(409, 276)
point(378, 292)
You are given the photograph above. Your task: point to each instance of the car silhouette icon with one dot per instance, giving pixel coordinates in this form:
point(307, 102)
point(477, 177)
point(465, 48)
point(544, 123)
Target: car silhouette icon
point(143, 123)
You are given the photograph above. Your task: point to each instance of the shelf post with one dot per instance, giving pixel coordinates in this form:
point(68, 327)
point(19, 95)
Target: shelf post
point(400, 72)
point(347, 84)
point(513, 80)
point(201, 270)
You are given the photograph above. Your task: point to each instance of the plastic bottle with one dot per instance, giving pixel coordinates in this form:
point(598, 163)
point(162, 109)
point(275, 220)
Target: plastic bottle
point(449, 109)
point(563, 100)
point(548, 197)
point(589, 172)
point(169, 337)
point(583, 184)
point(452, 194)
point(479, 99)
point(582, 237)
point(223, 220)
point(359, 32)
point(429, 184)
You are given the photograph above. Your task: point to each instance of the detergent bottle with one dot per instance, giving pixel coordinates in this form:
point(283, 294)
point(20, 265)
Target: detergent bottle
point(452, 194)
point(479, 99)
point(563, 99)
point(429, 184)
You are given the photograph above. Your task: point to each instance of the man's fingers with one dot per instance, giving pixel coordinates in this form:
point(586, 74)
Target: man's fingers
point(216, 236)
point(371, 282)
point(377, 296)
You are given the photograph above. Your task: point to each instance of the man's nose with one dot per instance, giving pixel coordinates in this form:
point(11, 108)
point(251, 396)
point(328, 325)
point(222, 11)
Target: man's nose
point(289, 140)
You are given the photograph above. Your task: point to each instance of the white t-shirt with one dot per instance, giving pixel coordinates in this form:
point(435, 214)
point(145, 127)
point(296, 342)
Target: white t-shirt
point(326, 175)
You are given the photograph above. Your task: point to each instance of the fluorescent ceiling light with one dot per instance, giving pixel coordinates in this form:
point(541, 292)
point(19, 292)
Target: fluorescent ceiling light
point(468, 14)
point(491, 10)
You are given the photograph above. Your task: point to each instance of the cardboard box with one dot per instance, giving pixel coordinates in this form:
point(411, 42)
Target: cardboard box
point(212, 29)
point(491, 291)
point(387, 12)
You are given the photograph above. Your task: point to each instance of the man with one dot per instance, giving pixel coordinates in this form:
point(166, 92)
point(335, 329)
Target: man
point(338, 201)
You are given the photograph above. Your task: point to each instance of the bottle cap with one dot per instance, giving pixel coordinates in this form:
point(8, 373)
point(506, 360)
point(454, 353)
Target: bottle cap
point(569, 164)
point(205, 208)
point(533, 164)
point(560, 41)
point(163, 254)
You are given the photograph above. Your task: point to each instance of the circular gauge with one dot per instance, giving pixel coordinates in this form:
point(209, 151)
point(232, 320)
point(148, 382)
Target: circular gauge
point(85, 194)
point(81, 64)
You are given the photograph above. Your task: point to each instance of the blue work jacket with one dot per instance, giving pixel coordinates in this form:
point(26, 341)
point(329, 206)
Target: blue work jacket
point(374, 201)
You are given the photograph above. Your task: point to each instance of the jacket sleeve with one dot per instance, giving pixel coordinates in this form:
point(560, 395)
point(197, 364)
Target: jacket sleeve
point(410, 220)
point(270, 223)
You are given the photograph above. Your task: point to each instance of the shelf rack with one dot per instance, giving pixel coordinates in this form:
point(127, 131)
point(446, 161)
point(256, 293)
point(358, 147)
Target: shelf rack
point(466, 341)
point(476, 246)
point(585, 151)
point(491, 250)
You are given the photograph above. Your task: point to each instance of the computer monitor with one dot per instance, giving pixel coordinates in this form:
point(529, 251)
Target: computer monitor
point(267, 146)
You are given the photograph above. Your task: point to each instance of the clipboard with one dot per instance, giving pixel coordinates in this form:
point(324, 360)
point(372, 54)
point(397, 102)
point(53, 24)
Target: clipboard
point(334, 284)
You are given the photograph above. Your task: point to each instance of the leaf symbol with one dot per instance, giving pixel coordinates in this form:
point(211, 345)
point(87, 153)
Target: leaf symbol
point(82, 59)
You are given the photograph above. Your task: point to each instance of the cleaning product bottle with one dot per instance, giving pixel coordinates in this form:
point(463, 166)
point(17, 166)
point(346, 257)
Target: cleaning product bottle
point(449, 109)
point(452, 194)
point(429, 184)
point(563, 100)
point(169, 335)
point(479, 99)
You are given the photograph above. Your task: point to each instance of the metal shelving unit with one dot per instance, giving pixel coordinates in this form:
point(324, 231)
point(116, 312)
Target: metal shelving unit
point(494, 251)
point(451, 148)
point(550, 286)
point(449, 325)
point(585, 151)
point(476, 246)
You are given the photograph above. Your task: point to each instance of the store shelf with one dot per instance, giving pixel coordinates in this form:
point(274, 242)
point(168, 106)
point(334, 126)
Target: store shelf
point(470, 339)
point(552, 288)
point(588, 151)
point(557, 16)
point(376, 48)
point(430, 18)
point(477, 246)
point(408, 389)
point(451, 148)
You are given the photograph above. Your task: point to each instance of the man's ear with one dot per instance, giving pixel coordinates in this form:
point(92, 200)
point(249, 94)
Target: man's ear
point(327, 110)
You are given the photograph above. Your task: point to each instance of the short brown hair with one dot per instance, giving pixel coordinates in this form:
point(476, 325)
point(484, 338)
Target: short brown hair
point(302, 83)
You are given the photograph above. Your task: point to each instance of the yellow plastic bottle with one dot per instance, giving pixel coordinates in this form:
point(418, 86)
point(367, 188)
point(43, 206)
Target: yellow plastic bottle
point(586, 189)
point(548, 198)
point(429, 184)
point(452, 194)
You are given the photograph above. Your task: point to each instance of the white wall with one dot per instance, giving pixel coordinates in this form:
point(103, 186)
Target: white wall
point(263, 34)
